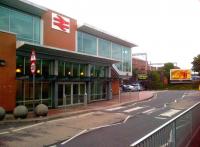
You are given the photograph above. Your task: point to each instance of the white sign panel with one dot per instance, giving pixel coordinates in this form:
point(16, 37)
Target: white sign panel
point(60, 23)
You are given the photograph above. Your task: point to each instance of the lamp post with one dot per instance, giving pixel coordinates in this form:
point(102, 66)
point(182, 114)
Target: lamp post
point(33, 69)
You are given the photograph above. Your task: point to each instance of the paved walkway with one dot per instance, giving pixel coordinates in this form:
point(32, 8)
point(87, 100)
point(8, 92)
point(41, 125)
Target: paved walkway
point(84, 118)
point(126, 97)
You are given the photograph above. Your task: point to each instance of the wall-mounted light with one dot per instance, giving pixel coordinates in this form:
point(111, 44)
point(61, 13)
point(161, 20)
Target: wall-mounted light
point(2, 62)
point(38, 71)
point(69, 73)
point(82, 73)
point(18, 70)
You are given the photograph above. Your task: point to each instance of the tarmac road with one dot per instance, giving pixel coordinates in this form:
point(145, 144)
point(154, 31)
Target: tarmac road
point(144, 117)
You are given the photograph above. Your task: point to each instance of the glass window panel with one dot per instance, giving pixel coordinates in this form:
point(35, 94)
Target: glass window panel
point(47, 67)
point(116, 52)
point(68, 69)
point(4, 19)
point(126, 60)
point(89, 44)
point(92, 71)
point(104, 48)
point(68, 93)
point(22, 25)
point(38, 91)
point(46, 93)
point(75, 70)
point(20, 66)
point(82, 70)
point(38, 67)
point(37, 29)
point(102, 71)
point(28, 91)
point(61, 68)
point(27, 66)
point(97, 71)
point(60, 94)
point(19, 95)
point(80, 42)
point(75, 94)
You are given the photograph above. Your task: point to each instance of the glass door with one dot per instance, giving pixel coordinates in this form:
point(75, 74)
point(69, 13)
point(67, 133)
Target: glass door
point(78, 93)
point(68, 90)
point(64, 94)
point(60, 94)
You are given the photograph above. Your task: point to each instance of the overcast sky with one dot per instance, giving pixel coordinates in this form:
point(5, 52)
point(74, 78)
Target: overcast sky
point(167, 30)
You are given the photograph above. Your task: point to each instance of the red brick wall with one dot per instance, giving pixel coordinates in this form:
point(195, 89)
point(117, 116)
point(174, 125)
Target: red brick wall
point(140, 65)
point(56, 38)
point(7, 72)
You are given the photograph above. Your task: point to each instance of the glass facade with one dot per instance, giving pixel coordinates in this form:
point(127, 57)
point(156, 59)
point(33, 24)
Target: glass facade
point(43, 89)
point(98, 90)
point(26, 26)
point(71, 69)
point(100, 47)
point(104, 48)
point(87, 43)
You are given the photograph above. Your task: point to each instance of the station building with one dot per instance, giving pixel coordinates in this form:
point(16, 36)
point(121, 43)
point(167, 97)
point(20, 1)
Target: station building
point(75, 64)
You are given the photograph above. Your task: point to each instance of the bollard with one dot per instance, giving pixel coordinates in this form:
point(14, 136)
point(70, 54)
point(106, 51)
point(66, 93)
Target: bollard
point(85, 99)
point(119, 96)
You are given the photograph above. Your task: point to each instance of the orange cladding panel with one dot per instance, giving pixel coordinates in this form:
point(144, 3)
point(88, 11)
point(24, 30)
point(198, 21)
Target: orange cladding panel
point(7, 72)
point(115, 87)
point(58, 38)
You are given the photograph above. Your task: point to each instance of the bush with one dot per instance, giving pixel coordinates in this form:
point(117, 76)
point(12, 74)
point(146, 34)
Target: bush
point(20, 111)
point(2, 113)
point(41, 110)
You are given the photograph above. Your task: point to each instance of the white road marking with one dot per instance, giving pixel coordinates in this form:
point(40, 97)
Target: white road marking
point(149, 111)
point(160, 117)
point(74, 137)
point(30, 126)
point(126, 119)
point(72, 117)
point(170, 113)
point(104, 126)
point(113, 109)
point(1, 133)
point(133, 109)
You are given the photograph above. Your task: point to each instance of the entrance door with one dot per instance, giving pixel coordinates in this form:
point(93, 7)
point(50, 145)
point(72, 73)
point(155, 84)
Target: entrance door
point(64, 94)
point(71, 93)
point(78, 93)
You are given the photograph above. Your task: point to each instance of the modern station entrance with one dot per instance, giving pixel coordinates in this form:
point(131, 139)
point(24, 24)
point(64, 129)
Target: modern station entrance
point(71, 93)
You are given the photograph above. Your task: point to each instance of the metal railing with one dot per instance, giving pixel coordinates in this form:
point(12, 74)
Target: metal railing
point(177, 132)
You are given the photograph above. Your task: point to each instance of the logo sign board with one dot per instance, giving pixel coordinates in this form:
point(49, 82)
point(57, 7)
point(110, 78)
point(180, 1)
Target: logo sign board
point(180, 74)
point(33, 61)
point(60, 23)
point(142, 76)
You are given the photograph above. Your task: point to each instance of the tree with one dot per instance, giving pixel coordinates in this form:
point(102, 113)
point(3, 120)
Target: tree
point(154, 80)
point(166, 69)
point(196, 64)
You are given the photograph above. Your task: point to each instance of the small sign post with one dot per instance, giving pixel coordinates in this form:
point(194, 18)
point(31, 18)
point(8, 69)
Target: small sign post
point(33, 69)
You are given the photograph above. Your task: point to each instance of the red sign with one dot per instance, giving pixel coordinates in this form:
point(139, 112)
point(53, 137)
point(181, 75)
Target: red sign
point(60, 23)
point(33, 61)
point(33, 67)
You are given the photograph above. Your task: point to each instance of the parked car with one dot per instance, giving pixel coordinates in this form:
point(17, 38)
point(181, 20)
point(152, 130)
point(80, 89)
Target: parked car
point(137, 87)
point(127, 88)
